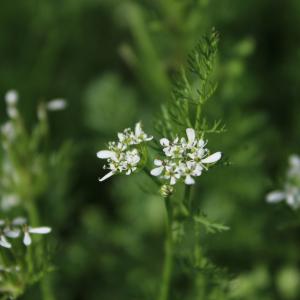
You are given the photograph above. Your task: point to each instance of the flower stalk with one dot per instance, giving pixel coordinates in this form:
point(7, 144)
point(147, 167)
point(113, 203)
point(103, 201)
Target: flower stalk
point(168, 262)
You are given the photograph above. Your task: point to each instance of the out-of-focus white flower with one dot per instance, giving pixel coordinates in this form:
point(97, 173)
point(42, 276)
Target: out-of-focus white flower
point(291, 194)
point(11, 97)
point(11, 269)
point(291, 191)
point(4, 242)
point(14, 228)
point(123, 156)
point(184, 158)
point(57, 104)
point(37, 230)
point(294, 166)
point(8, 131)
point(12, 112)
point(9, 201)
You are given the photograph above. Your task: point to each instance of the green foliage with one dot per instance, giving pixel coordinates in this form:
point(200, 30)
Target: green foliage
point(108, 238)
point(210, 227)
point(193, 86)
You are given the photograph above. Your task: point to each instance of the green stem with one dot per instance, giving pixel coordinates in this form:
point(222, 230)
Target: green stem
point(187, 197)
point(46, 289)
point(198, 113)
point(168, 262)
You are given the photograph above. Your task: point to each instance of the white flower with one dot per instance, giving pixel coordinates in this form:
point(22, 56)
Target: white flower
point(291, 195)
point(14, 228)
point(172, 173)
point(37, 230)
point(8, 130)
point(139, 135)
point(160, 167)
point(123, 156)
point(4, 242)
point(189, 170)
point(291, 191)
point(12, 112)
point(184, 158)
point(294, 166)
point(11, 97)
point(9, 201)
point(57, 104)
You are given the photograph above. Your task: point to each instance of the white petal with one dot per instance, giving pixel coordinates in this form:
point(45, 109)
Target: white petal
point(294, 160)
point(56, 104)
point(27, 239)
point(201, 143)
point(189, 180)
point(11, 97)
point(157, 162)
point(19, 221)
point(290, 199)
point(40, 230)
point(173, 180)
point(4, 243)
point(106, 176)
point(275, 197)
point(190, 132)
point(164, 142)
point(157, 171)
point(12, 233)
point(212, 158)
point(104, 154)
point(138, 129)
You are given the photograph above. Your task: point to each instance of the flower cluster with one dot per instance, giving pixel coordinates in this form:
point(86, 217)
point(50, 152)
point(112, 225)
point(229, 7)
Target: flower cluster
point(15, 228)
point(184, 159)
point(123, 156)
point(291, 190)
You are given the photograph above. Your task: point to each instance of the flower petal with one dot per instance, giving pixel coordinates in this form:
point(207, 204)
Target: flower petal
point(275, 197)
point(189, 180)
point(57, 104)
point(190, 132)
point(138, 129)
point(173, 180)
point(212, 158)
point(19, 221)
point(12, 233)
point(27, 239)
point(157, 162)
point(4, 243)
point(294, 160)
point(104, 154)
point(157, 171)
point(40, 230)
point(164, 142)
point(107, 176)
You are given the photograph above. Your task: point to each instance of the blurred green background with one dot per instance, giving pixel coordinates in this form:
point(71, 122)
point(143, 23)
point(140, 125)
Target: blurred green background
point(113, 61)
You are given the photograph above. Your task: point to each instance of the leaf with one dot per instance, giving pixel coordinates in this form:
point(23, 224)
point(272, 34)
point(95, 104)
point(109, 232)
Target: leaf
point(210, 227)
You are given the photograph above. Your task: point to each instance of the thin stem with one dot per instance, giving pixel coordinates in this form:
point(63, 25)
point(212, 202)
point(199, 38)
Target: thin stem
point(168, 262)
point(187, 197)
point(198, 113)
point(46, 289)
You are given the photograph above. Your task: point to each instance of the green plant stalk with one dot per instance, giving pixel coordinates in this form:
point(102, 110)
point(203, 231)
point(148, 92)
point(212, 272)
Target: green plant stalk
point(168, 262)
point(46, 289)
point(187, 197)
